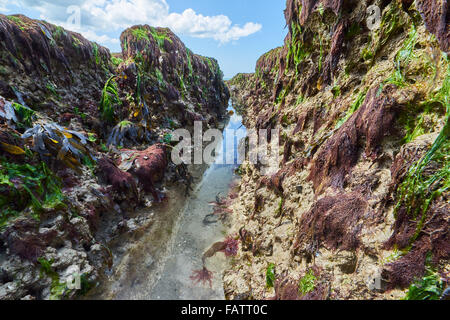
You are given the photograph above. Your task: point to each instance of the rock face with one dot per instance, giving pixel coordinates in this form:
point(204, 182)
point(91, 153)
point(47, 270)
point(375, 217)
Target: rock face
point(68, 110)
point(48, 67)
point(359, 207)
point(181, 74)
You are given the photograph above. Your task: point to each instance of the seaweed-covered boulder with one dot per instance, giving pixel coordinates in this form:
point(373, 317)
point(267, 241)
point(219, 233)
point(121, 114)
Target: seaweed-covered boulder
point(163, 67)
point(148, 166)
point(48, 67)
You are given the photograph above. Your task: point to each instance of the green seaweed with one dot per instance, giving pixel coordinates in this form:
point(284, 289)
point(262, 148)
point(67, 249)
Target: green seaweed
point(116, 61)
point(279, 210)
point(76, 42)
point(402, 59)
point(419, 189)
point(391, 22)
point(307, 283)
point(354, 30)
point(32, 186)
point(298, 51)
point(53, 90)
point(354, 107)
point(159, 37)
point(140, 34)
point(96, 54)
point(270, 275)
point(430, 287)
point(17, 21)
point(300, 100)
point(336, 90)
point(160, 77)
point(25, 114)
point(57, 289)
point(110, 97)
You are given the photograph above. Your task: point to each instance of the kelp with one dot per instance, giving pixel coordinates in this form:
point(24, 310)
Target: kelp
point(125, 130)
point(53, 142)
point(110, 98)
point(16, 115)
point(7, 112)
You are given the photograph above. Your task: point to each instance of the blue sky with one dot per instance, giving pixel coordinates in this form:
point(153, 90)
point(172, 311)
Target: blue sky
point(235, 32)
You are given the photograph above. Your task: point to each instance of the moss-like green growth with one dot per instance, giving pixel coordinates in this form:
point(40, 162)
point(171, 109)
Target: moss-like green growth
point(300, 100)
point(76, 42)
point(95, 53)
point(116, 61)
point(280, 98)
point(59, 32)
point(160, 37)
point(354, 30)
point(391, 23)
point(53, 90)
point(307, 284)
point(17, 21)
point(167, 139)
point(125, 123)
point(140, 34)
point(336, 90)
point(403, 58)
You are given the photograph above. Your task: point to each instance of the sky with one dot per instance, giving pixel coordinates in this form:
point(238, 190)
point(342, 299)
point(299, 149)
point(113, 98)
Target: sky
point(235, 32)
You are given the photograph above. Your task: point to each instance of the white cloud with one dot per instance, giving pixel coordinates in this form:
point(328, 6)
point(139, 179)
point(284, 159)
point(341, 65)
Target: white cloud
point(3, 8)
point(101, 17)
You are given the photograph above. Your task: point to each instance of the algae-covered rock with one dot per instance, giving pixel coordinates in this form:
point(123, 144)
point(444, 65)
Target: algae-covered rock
point(68, 107)
point(363, 118)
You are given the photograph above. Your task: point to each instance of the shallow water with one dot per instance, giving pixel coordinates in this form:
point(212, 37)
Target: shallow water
point(194, 237)
point(149, 275)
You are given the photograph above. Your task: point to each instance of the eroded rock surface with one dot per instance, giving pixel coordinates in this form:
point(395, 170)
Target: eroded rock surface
point(70, 192)
point(359, 207)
